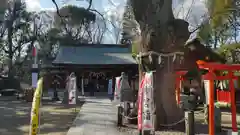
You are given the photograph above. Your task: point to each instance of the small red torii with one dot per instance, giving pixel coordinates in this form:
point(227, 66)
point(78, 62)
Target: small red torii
point(211, 76)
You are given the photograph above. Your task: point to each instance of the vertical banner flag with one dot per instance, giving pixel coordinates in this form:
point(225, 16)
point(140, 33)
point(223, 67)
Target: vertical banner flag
point(117, 91)
point(206, 88)
point(34, 54)
point(147, 108)
point(140, 102)
point(110, 87)
point(34, 67)
point(34, 123)
point(72, 90)
point(117, 88)
point(34, 79)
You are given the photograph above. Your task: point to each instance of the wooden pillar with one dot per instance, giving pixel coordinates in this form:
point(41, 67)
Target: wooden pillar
point(189, 123)
point(65, 98)
point(211, 103)
point(82, 84)
point(113, 85)
point(233, 105)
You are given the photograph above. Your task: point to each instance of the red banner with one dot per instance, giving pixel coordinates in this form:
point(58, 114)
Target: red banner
point(140, 102)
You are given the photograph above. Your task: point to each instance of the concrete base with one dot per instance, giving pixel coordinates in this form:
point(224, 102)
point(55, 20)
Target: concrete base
point(96, 94)
point(233, 133)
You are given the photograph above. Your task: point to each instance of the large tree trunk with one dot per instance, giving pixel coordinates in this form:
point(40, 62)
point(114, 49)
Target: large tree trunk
point(10, 52)
point(161, 32)
point(166, 108)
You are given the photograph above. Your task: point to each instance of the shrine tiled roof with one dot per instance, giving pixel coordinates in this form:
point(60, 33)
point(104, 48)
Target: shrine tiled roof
point(97, 54)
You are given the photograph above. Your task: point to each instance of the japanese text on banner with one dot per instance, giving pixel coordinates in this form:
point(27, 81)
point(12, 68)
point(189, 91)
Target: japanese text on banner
point(148, 102)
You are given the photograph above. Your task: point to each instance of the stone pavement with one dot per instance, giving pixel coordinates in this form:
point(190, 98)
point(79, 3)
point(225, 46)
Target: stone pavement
point(96, 117)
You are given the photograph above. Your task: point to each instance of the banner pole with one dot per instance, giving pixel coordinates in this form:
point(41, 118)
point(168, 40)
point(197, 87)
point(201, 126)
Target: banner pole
point(39, 117)
point(34, 123)
point(82, 85)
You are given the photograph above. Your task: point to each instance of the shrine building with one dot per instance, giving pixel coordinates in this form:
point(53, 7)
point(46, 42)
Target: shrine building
point(94, 63)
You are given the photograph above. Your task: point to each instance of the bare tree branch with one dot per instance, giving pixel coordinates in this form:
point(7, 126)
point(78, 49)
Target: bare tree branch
point(189, 10)
point(57, 8)
point(90, 4)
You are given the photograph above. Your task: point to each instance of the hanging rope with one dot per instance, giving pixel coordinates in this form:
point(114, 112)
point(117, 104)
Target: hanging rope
point(160, 55)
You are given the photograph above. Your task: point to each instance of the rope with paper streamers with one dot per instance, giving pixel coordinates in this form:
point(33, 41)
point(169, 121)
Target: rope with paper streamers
point(160, 55)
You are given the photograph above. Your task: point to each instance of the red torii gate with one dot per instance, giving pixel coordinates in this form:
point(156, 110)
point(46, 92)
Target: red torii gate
point(211, 76)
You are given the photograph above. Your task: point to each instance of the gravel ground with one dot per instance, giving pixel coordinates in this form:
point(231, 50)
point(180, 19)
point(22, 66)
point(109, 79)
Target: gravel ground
point(15, 118)
point(200, 127)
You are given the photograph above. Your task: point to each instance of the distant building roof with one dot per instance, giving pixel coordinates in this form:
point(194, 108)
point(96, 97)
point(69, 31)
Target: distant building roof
point(201, 51)
point(95, 54)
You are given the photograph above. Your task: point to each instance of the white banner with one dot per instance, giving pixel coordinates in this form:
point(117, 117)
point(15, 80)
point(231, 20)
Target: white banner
point(72, 88)
point(110, 87)
point(148, 107)
point(117, 88)
point(34, 80)
point(206, 88)
point(117, 91)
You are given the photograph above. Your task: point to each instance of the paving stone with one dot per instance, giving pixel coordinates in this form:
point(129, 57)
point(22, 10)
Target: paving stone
point(96, 117)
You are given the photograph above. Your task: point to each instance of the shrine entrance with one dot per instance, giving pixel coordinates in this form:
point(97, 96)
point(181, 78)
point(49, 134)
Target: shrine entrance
point(95, 64)
point(95, 83)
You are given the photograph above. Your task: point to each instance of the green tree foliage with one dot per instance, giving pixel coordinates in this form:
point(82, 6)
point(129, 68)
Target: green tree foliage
point(76, 15)
point(219, 11)
point(205, 33)
point(19, 31)
point(3, 7)
point(74, 25)
point(222, 30)
point(231, 52)
point(130, 29)
point(15, 29)
point(221, 27)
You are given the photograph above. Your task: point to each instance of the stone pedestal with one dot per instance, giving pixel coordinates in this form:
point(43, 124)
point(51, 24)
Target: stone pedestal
point(65, 97)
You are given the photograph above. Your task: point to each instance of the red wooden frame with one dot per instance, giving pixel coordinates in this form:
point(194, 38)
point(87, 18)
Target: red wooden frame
point(227, 96)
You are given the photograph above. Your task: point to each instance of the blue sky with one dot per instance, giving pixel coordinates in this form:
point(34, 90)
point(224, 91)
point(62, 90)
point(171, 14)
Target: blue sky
point(106, 7)
point(47, 4)
point(101, 5)
point(181, 7)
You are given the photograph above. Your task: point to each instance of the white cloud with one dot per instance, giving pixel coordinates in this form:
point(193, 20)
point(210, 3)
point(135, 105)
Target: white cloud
point(115, 8)
point(33, 5)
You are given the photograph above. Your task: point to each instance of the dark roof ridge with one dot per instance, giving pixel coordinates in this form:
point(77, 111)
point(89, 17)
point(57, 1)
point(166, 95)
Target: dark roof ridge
point(99, 45)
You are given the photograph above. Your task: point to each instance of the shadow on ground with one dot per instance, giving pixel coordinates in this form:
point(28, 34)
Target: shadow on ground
point(55, 118)
point(200, 127)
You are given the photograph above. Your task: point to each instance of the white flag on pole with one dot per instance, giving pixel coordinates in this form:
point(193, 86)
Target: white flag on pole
point(72, 91)
point(34, 80)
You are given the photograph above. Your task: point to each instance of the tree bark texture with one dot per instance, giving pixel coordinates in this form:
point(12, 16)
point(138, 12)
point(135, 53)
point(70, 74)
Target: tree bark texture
point(161, 32)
